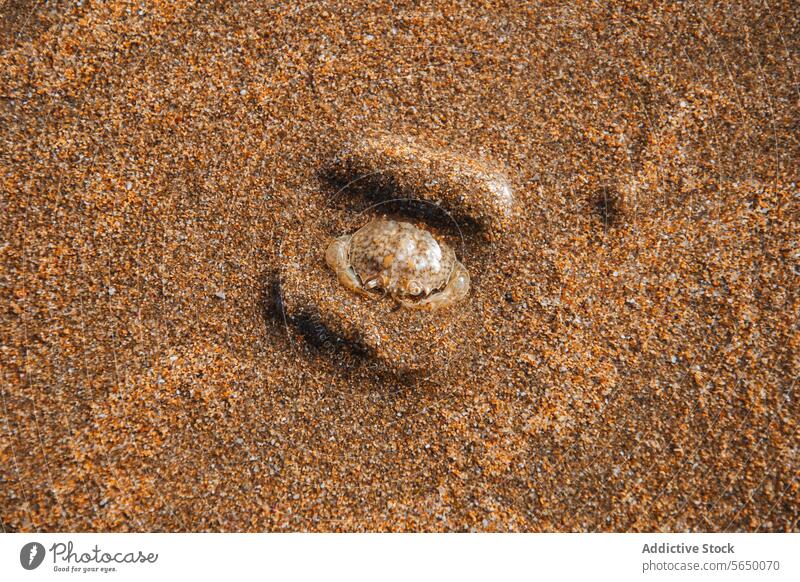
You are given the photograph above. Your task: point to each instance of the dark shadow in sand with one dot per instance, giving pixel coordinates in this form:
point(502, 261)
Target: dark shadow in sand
point(345, 355)
point(353, 193)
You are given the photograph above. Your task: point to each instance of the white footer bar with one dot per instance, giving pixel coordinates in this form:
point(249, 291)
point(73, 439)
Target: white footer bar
point(381, 557)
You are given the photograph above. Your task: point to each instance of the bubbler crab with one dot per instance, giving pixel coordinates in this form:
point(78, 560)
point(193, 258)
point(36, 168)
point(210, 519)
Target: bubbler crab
point(403, 261)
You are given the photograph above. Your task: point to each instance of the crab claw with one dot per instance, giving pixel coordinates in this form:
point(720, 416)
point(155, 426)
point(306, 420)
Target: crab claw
point(456, 289)
point(337, 258)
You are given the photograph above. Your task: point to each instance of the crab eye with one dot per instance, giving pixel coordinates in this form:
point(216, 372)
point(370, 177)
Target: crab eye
point(414, 289)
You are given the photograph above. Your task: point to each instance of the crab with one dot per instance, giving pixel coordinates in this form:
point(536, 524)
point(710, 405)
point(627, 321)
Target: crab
point(403, 261)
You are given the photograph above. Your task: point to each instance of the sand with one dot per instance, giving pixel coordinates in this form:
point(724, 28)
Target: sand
point(626, 361)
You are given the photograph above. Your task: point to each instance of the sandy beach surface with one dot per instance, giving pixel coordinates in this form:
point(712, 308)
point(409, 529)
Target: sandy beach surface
point(176, 356)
